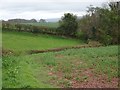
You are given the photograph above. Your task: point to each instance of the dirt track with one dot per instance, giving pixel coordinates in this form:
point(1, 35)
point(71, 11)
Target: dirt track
point(63, 48)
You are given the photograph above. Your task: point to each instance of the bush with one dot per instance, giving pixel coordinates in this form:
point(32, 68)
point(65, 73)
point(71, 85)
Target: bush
point(106, 39)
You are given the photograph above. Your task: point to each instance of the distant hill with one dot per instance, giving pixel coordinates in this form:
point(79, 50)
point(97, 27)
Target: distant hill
point(34, 20)
point(22, 21)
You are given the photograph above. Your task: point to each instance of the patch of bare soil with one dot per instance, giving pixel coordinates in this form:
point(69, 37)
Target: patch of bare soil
point(7, 52)
point(88, 80)
point(64, 48)
point(96, 82)
point(92, 81)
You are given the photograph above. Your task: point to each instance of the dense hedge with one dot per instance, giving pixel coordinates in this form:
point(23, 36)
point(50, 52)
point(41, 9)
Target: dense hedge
point(28, 28)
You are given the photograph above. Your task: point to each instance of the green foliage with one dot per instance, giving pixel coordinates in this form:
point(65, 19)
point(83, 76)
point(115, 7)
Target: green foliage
point(68, 24)
point(43, 28)
point(106, 39)
point(101, 24)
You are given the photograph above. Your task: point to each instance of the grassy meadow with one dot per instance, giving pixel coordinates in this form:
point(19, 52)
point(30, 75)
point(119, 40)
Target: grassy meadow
point(85, 67)
point(23, 41)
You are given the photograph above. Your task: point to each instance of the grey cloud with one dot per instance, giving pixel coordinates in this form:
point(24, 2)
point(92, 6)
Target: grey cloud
point(42, 9)
point(47, 6)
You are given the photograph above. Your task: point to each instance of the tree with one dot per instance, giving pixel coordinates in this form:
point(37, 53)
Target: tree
point(33, 20)
point(68, 24)
point(42, 20)
point(101, 24)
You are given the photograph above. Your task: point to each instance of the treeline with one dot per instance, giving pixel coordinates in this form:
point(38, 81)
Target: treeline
point(101, 24)
point(7, 26)
point(60, 30)
point(24, 20)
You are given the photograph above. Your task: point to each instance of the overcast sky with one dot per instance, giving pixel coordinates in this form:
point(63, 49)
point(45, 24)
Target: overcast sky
point(45, 9)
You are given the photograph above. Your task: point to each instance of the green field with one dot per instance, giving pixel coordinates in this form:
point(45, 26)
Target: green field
point(88, 67)
point(47, 24)
point(22, 41)
point(77, 68)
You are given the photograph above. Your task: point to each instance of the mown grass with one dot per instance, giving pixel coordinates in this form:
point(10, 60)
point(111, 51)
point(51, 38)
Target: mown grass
point(23, 41)
point(47, 24)
point(59, 69)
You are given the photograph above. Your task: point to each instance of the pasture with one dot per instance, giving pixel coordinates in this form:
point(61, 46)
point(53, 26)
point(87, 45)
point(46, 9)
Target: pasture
point(46, 24)
point(23, 41)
